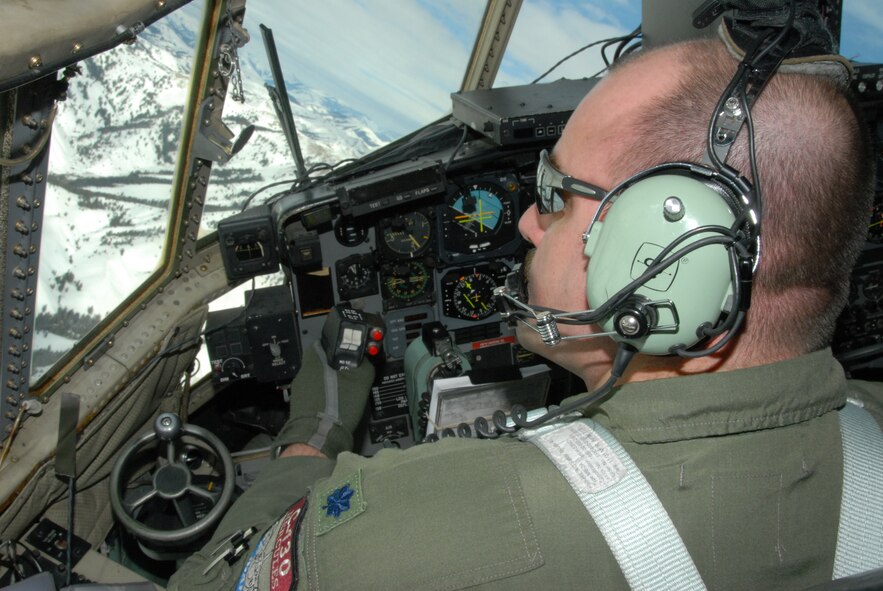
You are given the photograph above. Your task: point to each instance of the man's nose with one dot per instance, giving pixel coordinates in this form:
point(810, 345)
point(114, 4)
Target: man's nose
point(531, 225)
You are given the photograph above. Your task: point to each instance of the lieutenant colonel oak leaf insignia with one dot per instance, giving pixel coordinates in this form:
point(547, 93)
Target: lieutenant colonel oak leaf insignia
point(342, 500)
point(338, 501)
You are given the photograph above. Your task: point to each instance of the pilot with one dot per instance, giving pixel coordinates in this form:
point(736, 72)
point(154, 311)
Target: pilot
point(740, 450)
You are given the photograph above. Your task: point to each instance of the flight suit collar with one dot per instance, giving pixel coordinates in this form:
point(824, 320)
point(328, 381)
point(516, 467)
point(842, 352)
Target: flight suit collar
point(725, 403)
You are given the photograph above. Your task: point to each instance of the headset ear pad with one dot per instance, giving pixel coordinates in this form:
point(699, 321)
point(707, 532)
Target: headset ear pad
point(633, 231)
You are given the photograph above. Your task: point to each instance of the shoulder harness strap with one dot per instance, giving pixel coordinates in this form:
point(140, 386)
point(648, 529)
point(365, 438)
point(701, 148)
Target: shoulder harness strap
point(860, 535)
point(640, 532)
point(634, 523)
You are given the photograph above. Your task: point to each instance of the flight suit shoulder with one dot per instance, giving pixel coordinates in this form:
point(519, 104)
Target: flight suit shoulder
point(448, 515)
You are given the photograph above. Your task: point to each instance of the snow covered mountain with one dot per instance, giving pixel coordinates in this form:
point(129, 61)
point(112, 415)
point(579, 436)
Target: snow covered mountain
point(112, 159)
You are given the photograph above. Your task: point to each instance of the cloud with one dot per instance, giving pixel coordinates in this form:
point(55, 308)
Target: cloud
point(395, 61)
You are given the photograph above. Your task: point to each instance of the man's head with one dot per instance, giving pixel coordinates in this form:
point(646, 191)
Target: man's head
point(814, 170)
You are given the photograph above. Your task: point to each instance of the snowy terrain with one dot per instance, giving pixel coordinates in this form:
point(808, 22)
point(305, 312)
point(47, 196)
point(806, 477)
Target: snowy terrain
point(112, 159)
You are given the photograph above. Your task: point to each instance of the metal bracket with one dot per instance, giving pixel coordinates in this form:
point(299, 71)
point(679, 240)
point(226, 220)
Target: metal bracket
point(214, 142)
point(214, 139)
point(97, 352)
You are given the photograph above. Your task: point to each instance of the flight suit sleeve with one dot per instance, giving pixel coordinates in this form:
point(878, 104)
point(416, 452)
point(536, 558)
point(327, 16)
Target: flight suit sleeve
point(281, 483)
point(326, 406)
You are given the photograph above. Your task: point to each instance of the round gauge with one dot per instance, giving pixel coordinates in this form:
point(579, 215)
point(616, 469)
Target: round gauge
point(406, 281)
point(875, 228)
point(233, 367)
point(407, 235)
point(356, 276)
point(478, 218)
point(474, 296)
point(468, 294)
point(349, 233)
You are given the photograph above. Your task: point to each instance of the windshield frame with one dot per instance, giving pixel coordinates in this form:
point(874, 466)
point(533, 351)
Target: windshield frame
point(179, 236)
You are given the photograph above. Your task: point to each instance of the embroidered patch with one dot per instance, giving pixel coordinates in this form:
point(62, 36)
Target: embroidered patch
point(283, 567)
point(273, 564)
point(249, 580)
point(338, 501)
point(341, 501)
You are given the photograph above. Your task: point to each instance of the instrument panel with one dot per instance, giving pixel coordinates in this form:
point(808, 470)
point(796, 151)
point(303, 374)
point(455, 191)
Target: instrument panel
point(448, 252)
point(434, 260)
point(413, 249)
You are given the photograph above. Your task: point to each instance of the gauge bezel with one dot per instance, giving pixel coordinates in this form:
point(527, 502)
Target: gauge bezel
point(349, 232)
point(451, 279)
point(455, 246)
point(369, 288)
point(423, 243)
point(393, 300)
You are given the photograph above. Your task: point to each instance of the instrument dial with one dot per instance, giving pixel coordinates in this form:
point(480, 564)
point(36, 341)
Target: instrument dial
point(350, 233)
point(406, 281)
point(479, 218)
point(356, 276)
point(407, 235)
point(233, 368)
point(468, 293)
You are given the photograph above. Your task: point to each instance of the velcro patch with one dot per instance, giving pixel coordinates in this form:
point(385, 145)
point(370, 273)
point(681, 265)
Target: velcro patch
point(340, 501)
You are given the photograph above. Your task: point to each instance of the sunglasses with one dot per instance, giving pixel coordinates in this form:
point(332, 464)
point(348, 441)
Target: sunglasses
point(551, 181)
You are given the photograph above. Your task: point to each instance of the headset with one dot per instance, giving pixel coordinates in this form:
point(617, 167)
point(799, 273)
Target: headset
point(671, 254)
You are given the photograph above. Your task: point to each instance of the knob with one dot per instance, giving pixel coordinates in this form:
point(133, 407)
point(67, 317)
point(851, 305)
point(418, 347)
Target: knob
point(167, 426)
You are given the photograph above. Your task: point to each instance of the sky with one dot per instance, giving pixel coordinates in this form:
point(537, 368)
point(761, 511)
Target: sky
point(397, 61)
point(861, 32)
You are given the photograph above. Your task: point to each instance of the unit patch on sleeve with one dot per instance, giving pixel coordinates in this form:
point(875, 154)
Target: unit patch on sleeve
point(273, 564)
point(342, 500)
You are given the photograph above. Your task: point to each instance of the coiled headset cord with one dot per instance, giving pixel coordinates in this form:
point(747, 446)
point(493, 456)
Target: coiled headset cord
point(480, 427)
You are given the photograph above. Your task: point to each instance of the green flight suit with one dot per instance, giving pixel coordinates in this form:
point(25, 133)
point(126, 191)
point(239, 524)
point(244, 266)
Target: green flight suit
point(747, 463)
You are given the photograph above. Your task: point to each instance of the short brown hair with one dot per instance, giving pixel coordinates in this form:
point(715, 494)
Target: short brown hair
point(816, 170)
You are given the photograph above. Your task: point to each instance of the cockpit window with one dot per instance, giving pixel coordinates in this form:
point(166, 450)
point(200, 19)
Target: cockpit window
point(112, 159)
point(548, 31)
point(358, 76)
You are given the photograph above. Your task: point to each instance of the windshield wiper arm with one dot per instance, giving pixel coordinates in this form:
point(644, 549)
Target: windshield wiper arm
point(279, 96)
